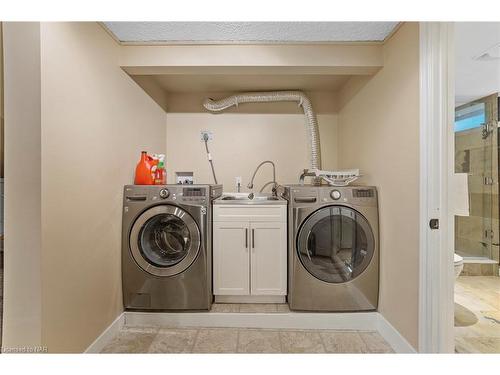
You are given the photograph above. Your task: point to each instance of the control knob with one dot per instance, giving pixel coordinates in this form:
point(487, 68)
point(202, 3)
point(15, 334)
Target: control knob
point(335, 194)
point(164, 193)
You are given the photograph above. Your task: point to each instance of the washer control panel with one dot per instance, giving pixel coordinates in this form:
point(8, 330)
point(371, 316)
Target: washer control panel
point(194, 194)
point(186, 194)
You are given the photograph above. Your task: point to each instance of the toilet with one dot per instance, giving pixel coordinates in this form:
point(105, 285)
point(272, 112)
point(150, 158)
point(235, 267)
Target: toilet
point(459, 264)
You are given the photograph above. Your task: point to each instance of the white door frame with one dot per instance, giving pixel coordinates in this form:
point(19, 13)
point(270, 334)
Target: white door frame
point(436, 306)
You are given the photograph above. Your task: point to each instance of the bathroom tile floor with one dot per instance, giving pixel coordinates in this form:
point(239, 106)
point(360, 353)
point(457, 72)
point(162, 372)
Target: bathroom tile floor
point(235, 340)
point(477, 314)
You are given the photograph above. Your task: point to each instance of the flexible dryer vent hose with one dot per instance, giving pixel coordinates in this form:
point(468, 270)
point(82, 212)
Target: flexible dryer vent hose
point(277, 96)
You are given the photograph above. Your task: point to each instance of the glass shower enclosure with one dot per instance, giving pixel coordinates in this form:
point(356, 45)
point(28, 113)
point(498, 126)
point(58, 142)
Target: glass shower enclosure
point(476, 154)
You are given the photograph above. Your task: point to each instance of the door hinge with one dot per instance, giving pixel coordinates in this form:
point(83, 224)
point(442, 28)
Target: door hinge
point(488, 233)
point(488, 180)
point(434, 223)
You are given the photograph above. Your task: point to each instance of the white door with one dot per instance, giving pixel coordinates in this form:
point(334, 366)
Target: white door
point(231, 242)
point(268, 258)
point(437, 161)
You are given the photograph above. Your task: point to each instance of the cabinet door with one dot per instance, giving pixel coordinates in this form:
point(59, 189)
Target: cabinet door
point(268, 258)
point(231, 242)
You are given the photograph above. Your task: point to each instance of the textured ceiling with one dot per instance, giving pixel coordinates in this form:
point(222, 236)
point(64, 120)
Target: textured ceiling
point(262, 32)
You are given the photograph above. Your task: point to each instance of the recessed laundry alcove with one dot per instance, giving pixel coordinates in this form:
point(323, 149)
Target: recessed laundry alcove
point(366, 96)
point(249, 133)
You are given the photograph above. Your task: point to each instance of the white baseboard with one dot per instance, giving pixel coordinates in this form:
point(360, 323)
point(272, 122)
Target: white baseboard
point(362, 321)
point(107, 335)
point(291, 320)
point(250, 299)
point(392, 336)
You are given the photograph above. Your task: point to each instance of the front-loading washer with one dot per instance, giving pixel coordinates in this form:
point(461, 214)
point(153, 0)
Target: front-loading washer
point(333, 248)
point(167, 246)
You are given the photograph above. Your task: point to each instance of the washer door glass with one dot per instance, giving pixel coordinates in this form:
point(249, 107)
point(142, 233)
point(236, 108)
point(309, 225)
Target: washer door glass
point(335, 244)
point(165, 240)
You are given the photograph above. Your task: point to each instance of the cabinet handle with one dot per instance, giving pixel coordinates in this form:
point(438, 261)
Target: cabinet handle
point(246, 238)
point(253, 238)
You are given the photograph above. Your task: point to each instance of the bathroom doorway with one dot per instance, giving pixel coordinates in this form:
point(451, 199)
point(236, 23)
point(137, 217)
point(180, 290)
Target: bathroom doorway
point(476, 156)
point(477, 230)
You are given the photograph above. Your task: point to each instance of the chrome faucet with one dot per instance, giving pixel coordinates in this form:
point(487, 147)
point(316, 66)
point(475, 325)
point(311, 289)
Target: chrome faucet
point(274, 189)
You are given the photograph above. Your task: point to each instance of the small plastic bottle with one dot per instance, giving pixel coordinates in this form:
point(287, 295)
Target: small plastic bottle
point(160, 175)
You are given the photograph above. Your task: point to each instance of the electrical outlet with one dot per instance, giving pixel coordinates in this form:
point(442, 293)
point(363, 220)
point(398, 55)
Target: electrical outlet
point(208, 133)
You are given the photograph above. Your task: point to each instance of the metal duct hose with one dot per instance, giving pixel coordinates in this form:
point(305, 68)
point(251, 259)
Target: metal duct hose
point(277, 96)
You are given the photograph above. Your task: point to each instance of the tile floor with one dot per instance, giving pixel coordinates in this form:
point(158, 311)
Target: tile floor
point(477, 314)
point(233, 340)
point(1, 294)
point(250, 308)
point(245, 340)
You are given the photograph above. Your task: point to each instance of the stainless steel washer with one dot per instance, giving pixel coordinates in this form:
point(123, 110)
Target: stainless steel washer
point(166, 246)
point(333, 248)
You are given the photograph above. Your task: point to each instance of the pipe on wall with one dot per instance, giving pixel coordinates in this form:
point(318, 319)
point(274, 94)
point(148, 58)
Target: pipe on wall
point(277, 96)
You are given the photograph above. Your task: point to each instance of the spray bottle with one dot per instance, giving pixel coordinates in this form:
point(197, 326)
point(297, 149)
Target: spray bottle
point(160, 175)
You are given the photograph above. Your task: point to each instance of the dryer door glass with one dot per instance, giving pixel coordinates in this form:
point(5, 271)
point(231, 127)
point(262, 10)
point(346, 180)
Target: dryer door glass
point(335, 244)
point(165, 240)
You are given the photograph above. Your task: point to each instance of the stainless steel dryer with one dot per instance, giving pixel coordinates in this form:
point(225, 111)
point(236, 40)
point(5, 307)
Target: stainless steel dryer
point(167, 246)
point(333, 248)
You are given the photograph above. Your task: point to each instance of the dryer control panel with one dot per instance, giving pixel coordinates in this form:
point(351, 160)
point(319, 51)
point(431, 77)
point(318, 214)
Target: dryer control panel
point(352, 195)
point(312, 195)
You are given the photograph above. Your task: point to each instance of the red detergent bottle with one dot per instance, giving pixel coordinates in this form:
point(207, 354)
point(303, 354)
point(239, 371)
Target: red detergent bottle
point(143, 174)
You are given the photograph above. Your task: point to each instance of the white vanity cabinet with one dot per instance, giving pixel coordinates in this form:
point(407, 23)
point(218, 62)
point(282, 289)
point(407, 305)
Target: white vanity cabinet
point(231, 258)
point(268, 258)
point(250, 252)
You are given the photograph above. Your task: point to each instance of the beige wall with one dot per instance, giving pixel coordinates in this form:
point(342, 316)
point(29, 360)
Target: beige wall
point(22, 279)
point(241, 142)
point(1, 71)
point(1, 103)
point(342, 58)
point(325, 102)
point(379, 133)
point(95, 122)
point(88, 121)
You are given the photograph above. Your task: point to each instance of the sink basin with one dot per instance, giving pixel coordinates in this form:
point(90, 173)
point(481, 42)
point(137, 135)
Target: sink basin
point(243, 198)
point(233, 198)
point(239, 198)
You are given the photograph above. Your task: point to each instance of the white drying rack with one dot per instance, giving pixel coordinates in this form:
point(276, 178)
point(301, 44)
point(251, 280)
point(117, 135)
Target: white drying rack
point(334, 178)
